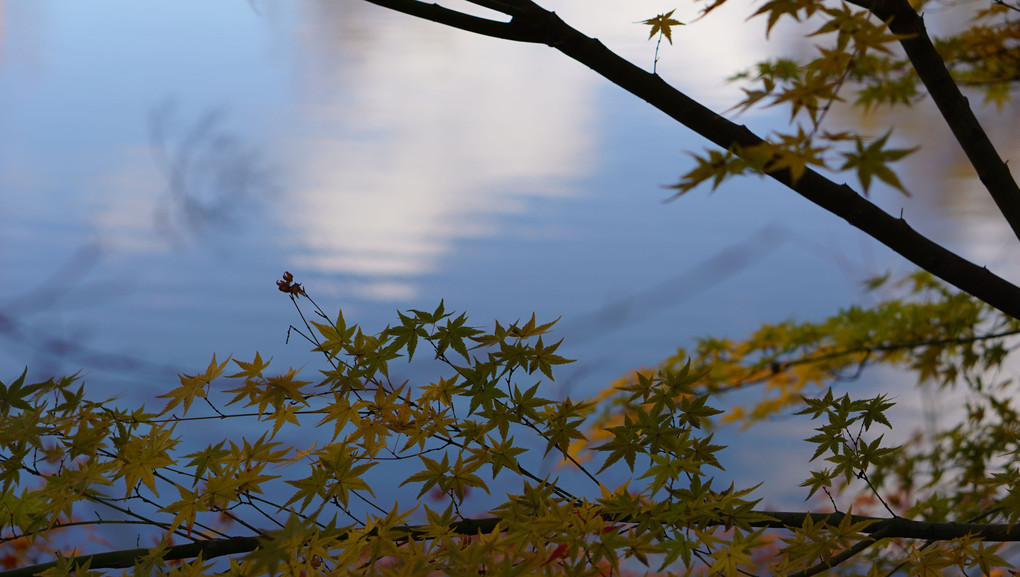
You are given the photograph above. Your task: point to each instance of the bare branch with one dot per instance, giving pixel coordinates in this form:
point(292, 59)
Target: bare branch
point(454, 19)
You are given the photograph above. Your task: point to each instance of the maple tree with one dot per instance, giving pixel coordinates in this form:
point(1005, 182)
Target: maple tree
point(307, 478)
point(243, 470)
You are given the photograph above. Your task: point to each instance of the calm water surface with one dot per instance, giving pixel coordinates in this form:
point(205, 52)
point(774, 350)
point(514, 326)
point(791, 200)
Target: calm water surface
point(162, 163)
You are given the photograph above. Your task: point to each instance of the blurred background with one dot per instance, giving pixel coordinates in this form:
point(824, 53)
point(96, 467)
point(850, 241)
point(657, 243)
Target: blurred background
point(162, 163)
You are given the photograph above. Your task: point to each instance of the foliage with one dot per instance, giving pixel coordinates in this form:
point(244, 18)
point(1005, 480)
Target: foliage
point(663, 26)
point(299, 477)
point(365, 470)
point(941, 335)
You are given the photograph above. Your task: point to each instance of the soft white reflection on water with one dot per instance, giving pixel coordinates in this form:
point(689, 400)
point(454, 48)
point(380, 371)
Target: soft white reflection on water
point(398, 154)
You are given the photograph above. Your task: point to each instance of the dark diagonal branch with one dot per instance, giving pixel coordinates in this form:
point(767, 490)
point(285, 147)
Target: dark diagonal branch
point(906, 23)
point(454, 19)
point(880, 528)
point(531, 23)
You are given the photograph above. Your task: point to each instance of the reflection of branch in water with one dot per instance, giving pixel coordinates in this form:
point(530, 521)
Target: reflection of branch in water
point(621, 312)
point(703, 276)
point(65, 289)
point(48, 292)
point(211, 176)
point(690, 283)
point(51, 353)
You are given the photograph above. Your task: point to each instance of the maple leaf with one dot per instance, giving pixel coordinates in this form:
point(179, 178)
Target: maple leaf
point(662, 24)
point(872, 160)
point(559, 551)
point(139, 458)
point(778, 8)
point(792, 152)
point(252, 370)
point(193, 386)
point(207, 459)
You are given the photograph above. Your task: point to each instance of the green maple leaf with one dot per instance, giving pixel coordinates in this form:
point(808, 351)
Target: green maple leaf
point(13, 397)
point(872, 160)
point(208, 460)
point(193, 386)
point(662, 24)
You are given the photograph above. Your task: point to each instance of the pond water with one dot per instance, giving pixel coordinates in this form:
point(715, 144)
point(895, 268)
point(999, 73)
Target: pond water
point(162, 163)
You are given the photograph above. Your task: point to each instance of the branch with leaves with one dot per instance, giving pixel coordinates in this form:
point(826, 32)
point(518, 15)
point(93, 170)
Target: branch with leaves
point(663, 26)
point(302, 493)
point(788, 158)
point(938, 335)
point(875, 528)
point(280, 475)
point(908, 27)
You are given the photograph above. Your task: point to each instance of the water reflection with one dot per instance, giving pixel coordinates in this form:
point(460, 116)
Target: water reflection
point(212, 178)
point(402, 152)
point(411, 160)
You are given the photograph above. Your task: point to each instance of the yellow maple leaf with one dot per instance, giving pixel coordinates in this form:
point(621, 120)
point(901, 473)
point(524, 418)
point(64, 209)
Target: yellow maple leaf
point(193, 386)
point(662, 24)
